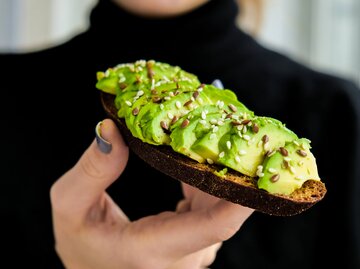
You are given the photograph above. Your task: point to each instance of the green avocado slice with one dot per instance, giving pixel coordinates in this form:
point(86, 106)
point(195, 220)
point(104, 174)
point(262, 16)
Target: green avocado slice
point(183, 133)
point(288, 168)
point(157, 121)
point(208, 145)
point(246, 145)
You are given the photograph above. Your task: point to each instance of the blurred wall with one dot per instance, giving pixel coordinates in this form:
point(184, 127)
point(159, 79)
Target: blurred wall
point(28, 25)
point(322, 33)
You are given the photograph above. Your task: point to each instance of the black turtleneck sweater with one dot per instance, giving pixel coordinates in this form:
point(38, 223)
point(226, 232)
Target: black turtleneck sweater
point(50, 107)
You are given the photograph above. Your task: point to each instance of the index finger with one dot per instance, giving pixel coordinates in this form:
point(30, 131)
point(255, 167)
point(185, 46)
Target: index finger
point(192, 231)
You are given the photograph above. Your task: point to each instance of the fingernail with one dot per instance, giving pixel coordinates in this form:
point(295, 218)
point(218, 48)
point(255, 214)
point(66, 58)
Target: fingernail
point(104, 146)
point(218, 84)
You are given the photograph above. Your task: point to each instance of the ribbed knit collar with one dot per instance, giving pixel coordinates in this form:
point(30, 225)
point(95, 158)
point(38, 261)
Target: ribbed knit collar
point(206, 22)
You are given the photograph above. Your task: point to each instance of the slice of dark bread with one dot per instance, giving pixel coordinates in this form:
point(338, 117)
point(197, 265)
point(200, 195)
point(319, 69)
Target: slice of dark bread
point(234, 187)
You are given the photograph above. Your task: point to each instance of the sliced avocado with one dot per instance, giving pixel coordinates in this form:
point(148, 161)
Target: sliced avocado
point(183, 134)
point(288, 168)
point(227, 97)
point(207, 145)
point(132, 115)
point(125, 102)
point(107, 83)
point(149, 73)
point(246, 145)
point(157, 121)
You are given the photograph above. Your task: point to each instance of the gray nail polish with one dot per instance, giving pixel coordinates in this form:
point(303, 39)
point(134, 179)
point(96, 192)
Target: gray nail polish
point(103, 145)
point(218, 84)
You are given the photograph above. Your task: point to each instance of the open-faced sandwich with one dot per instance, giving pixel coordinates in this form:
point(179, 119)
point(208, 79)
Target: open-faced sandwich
point(204, 136)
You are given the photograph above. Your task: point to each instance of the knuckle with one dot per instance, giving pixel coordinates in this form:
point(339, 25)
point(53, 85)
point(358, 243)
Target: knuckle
point(91, 168)
point(57, 200)
point(53, 194)
point(225, 233)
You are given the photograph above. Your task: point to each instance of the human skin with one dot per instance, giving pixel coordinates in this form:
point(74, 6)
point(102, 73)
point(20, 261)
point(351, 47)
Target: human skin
point(92, 232)
point(159, 8)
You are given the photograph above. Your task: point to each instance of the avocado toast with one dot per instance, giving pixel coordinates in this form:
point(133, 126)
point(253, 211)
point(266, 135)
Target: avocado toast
point(205, 137)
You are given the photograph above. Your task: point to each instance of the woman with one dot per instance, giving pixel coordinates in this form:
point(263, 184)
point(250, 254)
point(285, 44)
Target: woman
point(53, 109)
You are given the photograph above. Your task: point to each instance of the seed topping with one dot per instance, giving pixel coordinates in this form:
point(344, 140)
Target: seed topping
point(135, 111)
point(255, 128)
point(275, 178)
point(188, 103)
point(272, 170)
point(286, 164)
point(185, 123)
point(203, 115)
point(232, 107)
point(236, 123)
point(228, 144)
point(302, 153)
point(164, 125)
point(174, 119)
point(283, 151)
point(269, 153)
point(212, 136)
point(122, 85)
point(259, 171)
point(242, 152)
point(195, 94)
point(170, 115)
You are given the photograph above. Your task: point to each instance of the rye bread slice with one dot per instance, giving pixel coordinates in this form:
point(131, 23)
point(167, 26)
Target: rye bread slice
point(234, 187)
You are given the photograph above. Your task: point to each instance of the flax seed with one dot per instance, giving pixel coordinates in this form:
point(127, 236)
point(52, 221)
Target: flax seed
point(195, 94)
point(255, 128)
point(232, 107)
point(135, 111)
point(185, 123)
point(164, 125)
point(174, 119)
point(275, 178)
point(265, 139)
point(302, 153)
point(283, 151)
point(188, 103)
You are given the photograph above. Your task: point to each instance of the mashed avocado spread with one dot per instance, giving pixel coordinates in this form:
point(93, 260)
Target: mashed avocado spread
point(165, 105)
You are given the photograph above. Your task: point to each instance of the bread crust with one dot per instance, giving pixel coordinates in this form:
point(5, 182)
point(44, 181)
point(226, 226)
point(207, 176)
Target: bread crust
point(234, 186)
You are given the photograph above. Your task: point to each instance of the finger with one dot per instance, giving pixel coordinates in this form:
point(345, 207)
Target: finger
point(188, 191)
point(198, 199)
point(195, 230)
point(209, 255)
point(82, 186)
point(200, 259)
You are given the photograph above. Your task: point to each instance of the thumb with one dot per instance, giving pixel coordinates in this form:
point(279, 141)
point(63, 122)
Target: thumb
point(82, 186)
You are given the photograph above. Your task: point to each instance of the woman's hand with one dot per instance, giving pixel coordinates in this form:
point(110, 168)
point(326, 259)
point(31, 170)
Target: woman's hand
point(92, 232)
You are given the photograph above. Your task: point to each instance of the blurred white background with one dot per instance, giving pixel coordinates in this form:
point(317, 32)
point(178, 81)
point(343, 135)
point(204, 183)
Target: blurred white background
point(324, 34)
